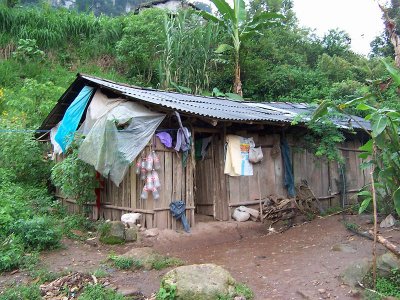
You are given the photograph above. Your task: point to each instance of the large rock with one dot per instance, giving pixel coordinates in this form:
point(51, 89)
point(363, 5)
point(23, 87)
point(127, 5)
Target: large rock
point(199, 282)
point(356, 272)
point(113, 233)
point(131, 233)
point(386, 263)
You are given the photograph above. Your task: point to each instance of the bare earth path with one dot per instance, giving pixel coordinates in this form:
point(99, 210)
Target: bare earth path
point(293, 265)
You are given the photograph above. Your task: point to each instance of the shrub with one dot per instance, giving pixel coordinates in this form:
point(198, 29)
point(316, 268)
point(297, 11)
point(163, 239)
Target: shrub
point(98, 292)
point(243, 290)
point(11, 252)
point(75, 178)
point(166, 293)
point(39, 233)
point(21, 292)
point(77, 222)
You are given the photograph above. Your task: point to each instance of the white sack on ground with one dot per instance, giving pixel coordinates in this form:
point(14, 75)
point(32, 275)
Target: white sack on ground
point(116, 133)
point(240, 216)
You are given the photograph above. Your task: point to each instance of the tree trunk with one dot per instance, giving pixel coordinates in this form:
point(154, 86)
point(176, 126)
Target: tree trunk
point(394, 38)
point(237, 85)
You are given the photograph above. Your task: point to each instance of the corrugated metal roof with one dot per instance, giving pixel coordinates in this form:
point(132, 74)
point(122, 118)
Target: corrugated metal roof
point(211, 107)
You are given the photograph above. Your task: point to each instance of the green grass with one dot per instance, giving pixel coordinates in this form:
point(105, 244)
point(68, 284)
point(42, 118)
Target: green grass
point(100, 273)
point(163, 262)
point(125, 263)
point(241, 289)
point(21, 292)
point(98, 292)
point(385, 286)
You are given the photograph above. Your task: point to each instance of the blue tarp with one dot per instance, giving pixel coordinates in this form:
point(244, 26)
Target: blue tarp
point(72, 116)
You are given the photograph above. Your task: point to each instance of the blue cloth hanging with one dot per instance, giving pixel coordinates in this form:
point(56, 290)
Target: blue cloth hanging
point(178, 210)
point(287, 165)
point(72, 116)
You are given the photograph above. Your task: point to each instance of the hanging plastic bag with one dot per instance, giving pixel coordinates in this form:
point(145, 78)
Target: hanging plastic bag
point(255, 155)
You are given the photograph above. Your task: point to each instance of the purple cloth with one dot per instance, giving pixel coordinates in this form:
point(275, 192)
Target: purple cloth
point(165, 139)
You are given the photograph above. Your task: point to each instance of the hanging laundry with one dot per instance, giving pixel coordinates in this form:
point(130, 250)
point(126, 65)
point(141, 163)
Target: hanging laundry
point(183, 140)
point(287, 165)
point(201, 147)
point(237, 156)
point(182, 136)
point(165, 139)
point(178, 210)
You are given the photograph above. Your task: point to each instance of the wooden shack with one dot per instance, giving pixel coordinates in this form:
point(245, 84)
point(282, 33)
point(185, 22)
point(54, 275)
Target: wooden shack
point(202, 184)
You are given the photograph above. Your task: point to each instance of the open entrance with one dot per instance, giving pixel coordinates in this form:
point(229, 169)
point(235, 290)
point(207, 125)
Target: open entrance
point(210, 197)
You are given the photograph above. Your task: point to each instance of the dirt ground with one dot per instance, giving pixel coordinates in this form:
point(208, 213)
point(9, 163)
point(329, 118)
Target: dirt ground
point(296, 264)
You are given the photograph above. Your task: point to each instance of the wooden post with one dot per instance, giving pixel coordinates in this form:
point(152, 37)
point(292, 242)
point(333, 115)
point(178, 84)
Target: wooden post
point(259, 196)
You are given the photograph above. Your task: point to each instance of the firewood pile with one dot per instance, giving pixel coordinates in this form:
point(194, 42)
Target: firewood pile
point(68, 287)
point(277, 208)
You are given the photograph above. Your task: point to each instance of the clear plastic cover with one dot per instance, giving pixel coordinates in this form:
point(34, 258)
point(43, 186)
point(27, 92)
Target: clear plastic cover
point(116, 132)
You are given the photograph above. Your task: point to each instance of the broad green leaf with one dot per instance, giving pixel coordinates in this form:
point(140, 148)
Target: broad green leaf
point(363, 106)
point(368, 117)
point(364, 193)
point(396, 200)
point(367, 147)
point(249, 34)
point(379, 125)
point(364, 155)
point(217, 93)
point(364, 205)
point(234, 97)
point(239, 10)
point(210, 17)
point(394, 115)
point(224, 9)
point(321, 110)
point(357, 100)
point(394, 72)
point(223, 47)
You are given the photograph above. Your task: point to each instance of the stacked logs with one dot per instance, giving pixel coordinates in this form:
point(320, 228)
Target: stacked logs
point(277, 208)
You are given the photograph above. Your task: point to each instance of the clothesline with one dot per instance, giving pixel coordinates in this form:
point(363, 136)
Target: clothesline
point(77, 131)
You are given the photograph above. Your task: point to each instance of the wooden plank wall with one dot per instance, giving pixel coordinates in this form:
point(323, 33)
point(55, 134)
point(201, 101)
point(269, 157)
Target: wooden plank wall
point(243, 190)
point(176, 184)
point(322, 176)
point(218, 194)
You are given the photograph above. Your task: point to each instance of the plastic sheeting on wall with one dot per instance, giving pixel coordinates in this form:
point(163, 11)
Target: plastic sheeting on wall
point(116, 132)
point(56, 147)
point(70, 121)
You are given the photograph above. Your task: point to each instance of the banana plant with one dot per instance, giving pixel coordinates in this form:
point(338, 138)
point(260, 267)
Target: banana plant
point(239, 27)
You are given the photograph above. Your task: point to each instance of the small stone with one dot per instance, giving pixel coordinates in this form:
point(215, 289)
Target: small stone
point(388, 222)
point(151, 232)
point(128, 292)
point(322, 291)
point(343, 248)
